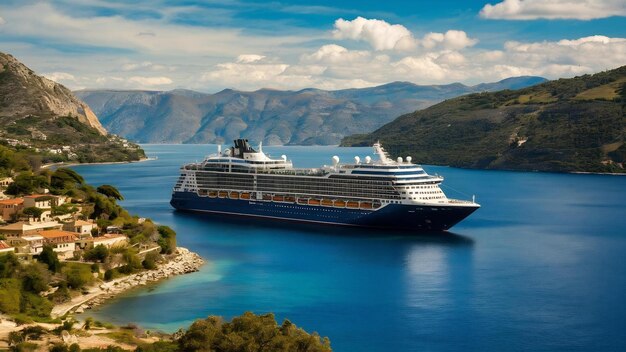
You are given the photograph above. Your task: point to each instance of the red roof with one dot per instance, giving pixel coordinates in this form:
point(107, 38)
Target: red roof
point(13, 201)
point(57, 233)
point(4, 245)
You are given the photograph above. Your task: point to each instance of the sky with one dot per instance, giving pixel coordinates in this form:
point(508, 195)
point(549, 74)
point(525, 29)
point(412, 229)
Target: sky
point(210, 45)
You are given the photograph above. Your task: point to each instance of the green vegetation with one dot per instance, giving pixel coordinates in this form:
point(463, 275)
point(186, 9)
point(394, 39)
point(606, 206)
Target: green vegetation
point(576, 124)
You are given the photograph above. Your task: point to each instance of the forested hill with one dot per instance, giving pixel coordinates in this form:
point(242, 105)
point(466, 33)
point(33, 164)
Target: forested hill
point(575, 124)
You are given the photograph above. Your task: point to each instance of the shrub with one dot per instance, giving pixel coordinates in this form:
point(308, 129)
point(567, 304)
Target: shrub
point(150, 261)
point(77, 275)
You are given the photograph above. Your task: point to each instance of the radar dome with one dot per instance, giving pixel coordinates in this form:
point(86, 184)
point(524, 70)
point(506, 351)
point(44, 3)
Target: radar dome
point(408, 159)
point(357, 160)
point(368, 159)
point(284, 157)
point(335, 160)
point(399, 160)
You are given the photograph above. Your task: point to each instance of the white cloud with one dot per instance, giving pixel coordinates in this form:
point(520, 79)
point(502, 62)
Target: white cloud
point(2, 21)
point(335, 54)
point(554, 9)
point(452, 39)
point(379, 34)
point(150, 81)
point(59, 76)
point(249, 58)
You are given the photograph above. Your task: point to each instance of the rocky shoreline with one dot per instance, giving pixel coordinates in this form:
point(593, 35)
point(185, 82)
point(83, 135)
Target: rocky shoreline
point(182, 262)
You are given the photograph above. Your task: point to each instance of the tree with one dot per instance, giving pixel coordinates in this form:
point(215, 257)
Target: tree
point(77, 275)
point(167, 239)
point(27, 183)
point(64, 179)
point(150, 260)
point(110, 192)
point(49, 257)
point(35, 278)
point(98, 253)
point(33, 211)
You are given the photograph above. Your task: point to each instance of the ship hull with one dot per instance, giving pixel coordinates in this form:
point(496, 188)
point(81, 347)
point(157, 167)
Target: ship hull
point(390, 216)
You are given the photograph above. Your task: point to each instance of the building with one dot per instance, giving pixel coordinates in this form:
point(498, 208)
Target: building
point(24, 228)
point(28, 244)
point(5, 248)
point(44, 202)
point(9, 208)
point(62, 242)
point(5, 181)
point(80, 226)
point(109, 240)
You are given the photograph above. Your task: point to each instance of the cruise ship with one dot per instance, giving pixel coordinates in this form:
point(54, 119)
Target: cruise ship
point(379, 192)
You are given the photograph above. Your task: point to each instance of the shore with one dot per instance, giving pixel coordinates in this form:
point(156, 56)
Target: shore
point(183, 262)
point(45, 166)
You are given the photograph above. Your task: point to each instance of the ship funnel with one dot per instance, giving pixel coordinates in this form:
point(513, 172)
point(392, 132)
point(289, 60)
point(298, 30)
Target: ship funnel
point(335, 160)
point(399, 160)
point(408, 159)
point(357, 160)
point(368, 159)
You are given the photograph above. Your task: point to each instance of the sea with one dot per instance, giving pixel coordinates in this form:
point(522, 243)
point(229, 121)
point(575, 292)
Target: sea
point(541, 266)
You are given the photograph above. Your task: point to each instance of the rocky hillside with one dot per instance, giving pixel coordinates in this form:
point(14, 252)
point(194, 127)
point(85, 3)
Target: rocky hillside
point(23, 93)
point(44, 116)
point(305, 117)
point(576, 124)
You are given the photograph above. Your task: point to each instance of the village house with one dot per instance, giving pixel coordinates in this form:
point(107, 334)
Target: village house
point(62, 242)
point(23, 228)
point(109, 241)
point(5, 248)
point(5, 181)
point(80, 226)
point(28, 244)
point(44, 202)
point(9, 208)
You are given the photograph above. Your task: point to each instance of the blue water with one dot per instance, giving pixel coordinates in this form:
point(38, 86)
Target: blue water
point(541, 266)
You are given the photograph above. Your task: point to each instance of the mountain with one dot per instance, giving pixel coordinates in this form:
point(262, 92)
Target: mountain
point(39, 114)
point(576, 124)
point(305, 117)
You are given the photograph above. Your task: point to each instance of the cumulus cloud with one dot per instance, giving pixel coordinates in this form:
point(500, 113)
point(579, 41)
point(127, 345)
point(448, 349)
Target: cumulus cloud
point(451, 39)
point(59, 76)
point(249, 58)
point(145, 65)
point(150, 81)
point(554, 9)
point(379, 34)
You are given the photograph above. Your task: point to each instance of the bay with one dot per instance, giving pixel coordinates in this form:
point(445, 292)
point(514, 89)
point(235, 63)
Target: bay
point(541, 266)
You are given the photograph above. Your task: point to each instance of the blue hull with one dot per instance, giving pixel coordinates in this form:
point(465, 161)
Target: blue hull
point(391, 216)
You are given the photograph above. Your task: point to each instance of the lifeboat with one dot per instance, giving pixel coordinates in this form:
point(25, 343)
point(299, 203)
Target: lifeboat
point(267, 197)
point(212, 194)
point(327, 202)
point(234, 195)
point(303, 201)
point(377, 205)
point(202, 192)
point(222, 194)
point(278, 198)
point(314, 202)
point(366, 205)
point(290, 199)
point(353, 205)
point(245, 195)
point(340, 203)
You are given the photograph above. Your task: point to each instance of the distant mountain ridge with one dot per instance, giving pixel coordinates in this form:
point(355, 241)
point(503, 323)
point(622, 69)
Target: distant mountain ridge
point(305, 117)
point(575, 124)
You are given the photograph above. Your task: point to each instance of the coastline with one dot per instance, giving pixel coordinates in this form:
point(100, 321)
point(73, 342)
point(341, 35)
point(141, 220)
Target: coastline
point(62, 164)
point(183, 262)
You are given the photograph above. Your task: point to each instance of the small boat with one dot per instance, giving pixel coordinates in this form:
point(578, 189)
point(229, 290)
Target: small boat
point(366, 205)
point(327, 202)
point(212, 194)
point(303, 201)
point(245, 195)
point(222, 194)
point(234, 195)
point(340, 204)
point(314, 202)
point(353, 205)
point(278, 198)
point(290, 199)
point(202, 192)
point(267, 197)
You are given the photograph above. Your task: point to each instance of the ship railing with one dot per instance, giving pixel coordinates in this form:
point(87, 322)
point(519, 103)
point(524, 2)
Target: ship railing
point(460, 201)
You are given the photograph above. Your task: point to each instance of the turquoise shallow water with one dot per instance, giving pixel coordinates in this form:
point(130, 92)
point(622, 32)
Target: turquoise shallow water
point(541, 266)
